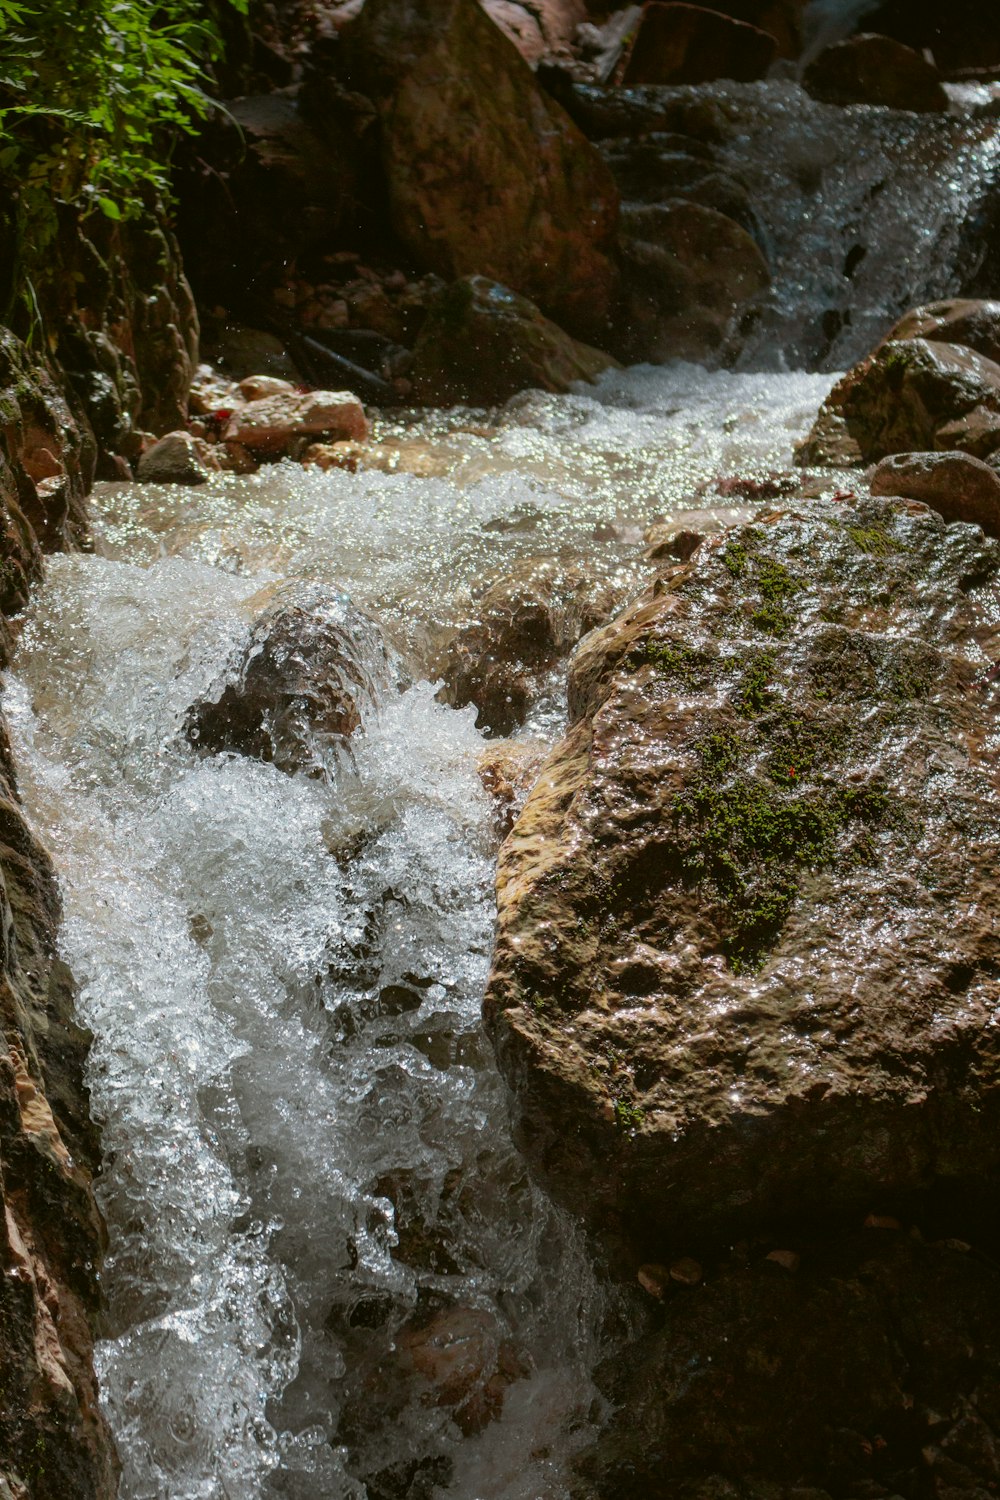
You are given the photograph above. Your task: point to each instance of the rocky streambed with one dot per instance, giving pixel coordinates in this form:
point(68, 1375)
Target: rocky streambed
point(665, 1165)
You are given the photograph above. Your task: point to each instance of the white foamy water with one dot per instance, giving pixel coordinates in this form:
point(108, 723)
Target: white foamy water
point(330, 1275)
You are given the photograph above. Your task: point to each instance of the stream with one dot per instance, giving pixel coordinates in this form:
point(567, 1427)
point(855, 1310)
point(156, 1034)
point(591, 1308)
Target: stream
point(329, 1272)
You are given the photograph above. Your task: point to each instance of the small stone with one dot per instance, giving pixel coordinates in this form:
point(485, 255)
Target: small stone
point(274, 423)
point(257, 387)
point(654, 1279)
point(686, 1271)
point(961, 1246)
point(882, 1221)
point(177, 458)
point(790, 1259)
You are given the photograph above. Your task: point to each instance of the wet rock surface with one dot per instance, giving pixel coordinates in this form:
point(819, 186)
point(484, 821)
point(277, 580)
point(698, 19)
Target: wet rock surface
point(54, 1440)
point(482, 344)
point(311, 666)
point(959, 320)
point(871, 69)
point(911, 394)
point(743, 970)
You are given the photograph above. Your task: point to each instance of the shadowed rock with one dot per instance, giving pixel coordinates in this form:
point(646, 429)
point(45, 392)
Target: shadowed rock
point(482, 343)
point(692, 44)
point(747, 955)
point(869, 69)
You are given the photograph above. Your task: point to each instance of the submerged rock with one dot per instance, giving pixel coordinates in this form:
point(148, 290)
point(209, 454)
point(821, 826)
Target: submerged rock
point(958, 486)
point(486, 173)
point(911, 394)
point(870, 69)
point(299, 685)
point(678, 43)
point(527, 621)
point(746, 955)
point(482, 343)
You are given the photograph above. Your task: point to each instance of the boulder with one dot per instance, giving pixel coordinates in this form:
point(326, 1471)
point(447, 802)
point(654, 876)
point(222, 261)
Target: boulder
point(870, 69)
point(962, 34)
point(297, 688)
point(177, 458)
point(274, 424)
point(746, 954)
point(956, 485)
point(527, 620)
point(482, 343)
point(972, 324)
point(486, 173)
point(689, 272)
point(691, 44)
point(910, 395)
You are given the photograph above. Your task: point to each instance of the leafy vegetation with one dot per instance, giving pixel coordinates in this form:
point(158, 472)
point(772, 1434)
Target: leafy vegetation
point(91, 96)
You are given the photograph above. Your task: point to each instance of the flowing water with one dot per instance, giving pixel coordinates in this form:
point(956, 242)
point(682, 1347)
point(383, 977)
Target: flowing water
point(330, 1275)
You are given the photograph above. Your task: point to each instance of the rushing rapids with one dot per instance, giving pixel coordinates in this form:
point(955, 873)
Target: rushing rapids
point(330, 1274)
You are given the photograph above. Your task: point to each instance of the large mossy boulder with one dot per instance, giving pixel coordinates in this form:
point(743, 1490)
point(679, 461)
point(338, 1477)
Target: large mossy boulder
point(486, 173)
point(747, 950)
point(481, 343)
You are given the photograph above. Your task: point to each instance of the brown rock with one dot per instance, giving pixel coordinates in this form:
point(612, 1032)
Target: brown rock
point(909, 395)
point(275, 423)
point(958, 486)
point(527, 621)
point(738, 976)
point(54, 1440)
point(789, 1260)
point(487, 175)
point(481, 343)
point(691, 44)
point(870, 69)
point(654, 1279)
point(973, 324)
point(259, 387)
point(686, 1272)
point(296, 690)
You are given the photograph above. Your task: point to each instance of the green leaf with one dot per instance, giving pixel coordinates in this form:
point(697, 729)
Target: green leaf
point(109, 208)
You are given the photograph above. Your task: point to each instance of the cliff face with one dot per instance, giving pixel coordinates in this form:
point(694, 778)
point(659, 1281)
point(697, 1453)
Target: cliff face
point(120, 333)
